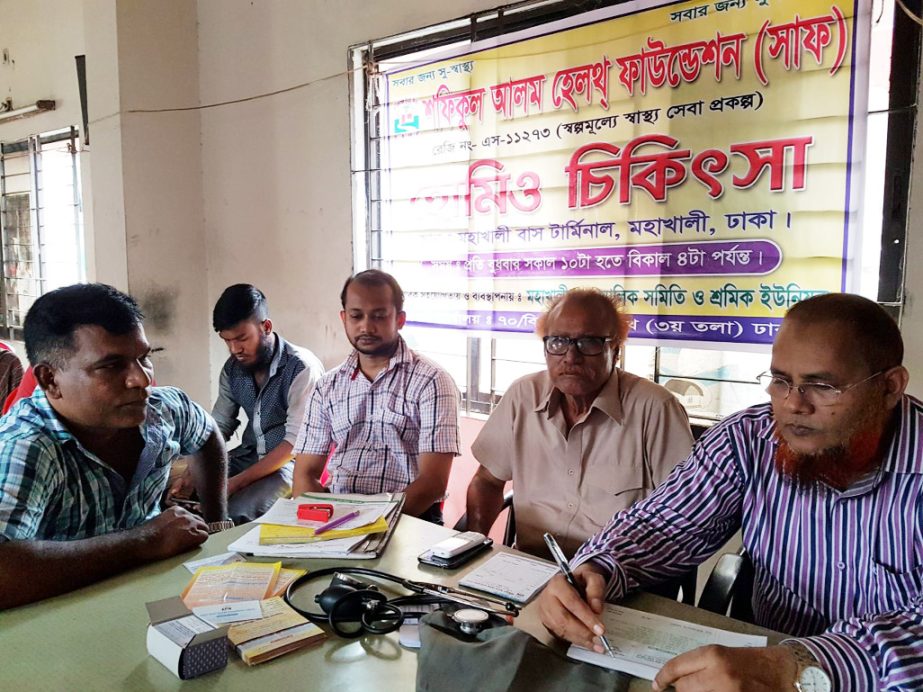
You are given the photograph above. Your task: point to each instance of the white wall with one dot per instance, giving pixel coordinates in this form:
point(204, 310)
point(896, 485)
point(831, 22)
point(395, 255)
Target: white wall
point(276, 176)
point(42, 37)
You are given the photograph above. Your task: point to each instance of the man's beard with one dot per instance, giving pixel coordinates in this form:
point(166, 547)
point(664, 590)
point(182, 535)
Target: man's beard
point(379, 350)
point(836, 466)
point(263, 354)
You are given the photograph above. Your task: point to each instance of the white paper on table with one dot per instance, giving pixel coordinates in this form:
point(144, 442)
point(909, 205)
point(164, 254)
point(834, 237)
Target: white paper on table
point(285, 513)
point(510, 576)
point(250, 543)
point(222, 559)
point(643, 642)
point(223, 613)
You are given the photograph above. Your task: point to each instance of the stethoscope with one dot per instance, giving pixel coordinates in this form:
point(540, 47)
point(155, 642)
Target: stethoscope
point(350, 600)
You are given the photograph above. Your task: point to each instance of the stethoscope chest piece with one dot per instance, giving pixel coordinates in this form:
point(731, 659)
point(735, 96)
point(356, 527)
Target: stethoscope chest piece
point(470, 620)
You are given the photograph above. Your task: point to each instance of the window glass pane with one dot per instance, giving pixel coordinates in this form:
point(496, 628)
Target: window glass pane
point(516, 357)
point(639, 359)
point(447, 348)
point(42, 226)
point(20, 272)
point(713, 384)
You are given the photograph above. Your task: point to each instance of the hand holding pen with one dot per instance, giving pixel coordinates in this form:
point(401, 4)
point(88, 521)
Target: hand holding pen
point(560, 618)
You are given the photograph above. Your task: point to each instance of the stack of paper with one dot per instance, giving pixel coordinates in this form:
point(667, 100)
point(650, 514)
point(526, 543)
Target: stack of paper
point(644, 642)
point(362, 537)
point(279, 631)
point(282, 525)
point(237, 582)
point(274, 534)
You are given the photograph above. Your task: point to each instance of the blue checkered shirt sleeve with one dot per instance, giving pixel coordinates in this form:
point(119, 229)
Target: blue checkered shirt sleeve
point(193, 424)
point(27, 481)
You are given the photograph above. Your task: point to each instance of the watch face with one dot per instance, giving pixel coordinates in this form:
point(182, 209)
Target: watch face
point(814, 679)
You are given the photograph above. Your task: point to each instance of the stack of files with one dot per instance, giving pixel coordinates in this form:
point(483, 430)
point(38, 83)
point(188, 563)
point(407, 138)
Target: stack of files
point(362, 538)
point(282, 525)
point(278, 632)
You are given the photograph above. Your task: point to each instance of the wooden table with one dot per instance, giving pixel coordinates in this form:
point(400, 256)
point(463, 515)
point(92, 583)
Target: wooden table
point(94, 638)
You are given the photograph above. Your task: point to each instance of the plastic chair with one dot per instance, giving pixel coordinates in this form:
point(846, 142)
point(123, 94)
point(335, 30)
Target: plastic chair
point(509, 533)
point(729, 588)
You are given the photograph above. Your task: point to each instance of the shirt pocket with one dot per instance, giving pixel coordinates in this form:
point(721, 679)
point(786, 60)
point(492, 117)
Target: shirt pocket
point(895, 588)
point(396, 425)
point(626, 480)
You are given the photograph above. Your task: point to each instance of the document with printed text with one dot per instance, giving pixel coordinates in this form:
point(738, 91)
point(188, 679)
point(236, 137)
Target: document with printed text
point(643, 642)
point(510, 576)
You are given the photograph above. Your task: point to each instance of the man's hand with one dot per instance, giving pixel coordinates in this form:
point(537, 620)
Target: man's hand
point(727, 669)
point(567, 615)
point(307, 473)
point(171, 532)
point(43, 568)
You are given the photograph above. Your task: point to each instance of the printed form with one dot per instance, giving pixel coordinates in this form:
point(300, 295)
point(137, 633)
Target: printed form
point(643, 642)
point(510, 576)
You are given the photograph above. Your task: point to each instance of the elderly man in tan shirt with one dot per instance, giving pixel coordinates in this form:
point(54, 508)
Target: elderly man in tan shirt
point(581, 440)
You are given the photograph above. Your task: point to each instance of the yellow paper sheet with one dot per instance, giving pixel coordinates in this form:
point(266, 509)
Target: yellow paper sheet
point(286, 577)
point(274, 534)
point(277, 616)
point(239, 581)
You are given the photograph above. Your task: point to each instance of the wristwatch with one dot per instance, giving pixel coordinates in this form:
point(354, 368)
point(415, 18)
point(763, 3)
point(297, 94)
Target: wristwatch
point(216, 526)
point(809, 676)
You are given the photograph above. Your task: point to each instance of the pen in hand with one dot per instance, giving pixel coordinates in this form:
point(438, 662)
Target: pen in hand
point(561, 561)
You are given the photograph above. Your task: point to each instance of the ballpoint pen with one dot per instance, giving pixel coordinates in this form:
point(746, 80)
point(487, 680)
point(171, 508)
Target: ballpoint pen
point(336, 522)
point(561, 561)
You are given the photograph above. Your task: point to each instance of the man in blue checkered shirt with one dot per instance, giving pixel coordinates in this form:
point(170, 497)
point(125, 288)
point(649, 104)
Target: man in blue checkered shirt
point(84, 462)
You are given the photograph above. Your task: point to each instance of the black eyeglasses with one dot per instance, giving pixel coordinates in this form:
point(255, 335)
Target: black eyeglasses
point(586, 345)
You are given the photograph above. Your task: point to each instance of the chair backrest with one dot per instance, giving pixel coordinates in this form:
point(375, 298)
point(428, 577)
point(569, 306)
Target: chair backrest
point(509, 533)
point(10, 375)
point(681, 589)
point(729, 588)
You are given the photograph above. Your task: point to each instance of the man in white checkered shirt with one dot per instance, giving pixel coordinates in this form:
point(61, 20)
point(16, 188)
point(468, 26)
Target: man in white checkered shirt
point(391, 413)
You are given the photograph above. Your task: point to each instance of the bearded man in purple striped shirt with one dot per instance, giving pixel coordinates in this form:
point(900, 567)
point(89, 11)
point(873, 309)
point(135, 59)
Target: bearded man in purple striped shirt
point(826, 484)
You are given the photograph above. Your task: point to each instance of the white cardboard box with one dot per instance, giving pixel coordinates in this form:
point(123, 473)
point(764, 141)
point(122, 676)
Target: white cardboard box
point(186, 645)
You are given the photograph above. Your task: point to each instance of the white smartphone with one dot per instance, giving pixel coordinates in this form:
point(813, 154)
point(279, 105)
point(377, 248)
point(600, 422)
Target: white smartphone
point(450, 547)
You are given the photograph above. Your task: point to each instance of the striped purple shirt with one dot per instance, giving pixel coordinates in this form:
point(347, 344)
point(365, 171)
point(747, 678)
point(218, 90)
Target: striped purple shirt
point(843, 571)
point(380, 428)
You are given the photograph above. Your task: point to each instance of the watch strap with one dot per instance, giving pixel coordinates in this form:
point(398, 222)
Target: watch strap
point(216, 526)
point(803, 659)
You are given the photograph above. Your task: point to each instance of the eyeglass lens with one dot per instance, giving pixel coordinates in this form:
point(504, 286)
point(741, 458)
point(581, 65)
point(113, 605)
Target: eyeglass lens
point(586, 345)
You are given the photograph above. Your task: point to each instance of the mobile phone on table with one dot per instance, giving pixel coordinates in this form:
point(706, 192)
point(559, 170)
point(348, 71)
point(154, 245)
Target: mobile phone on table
point(456, 560)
